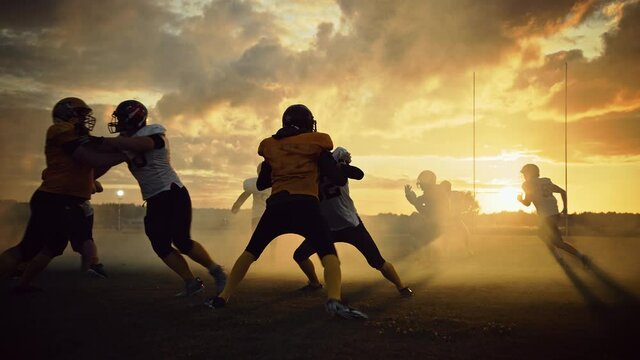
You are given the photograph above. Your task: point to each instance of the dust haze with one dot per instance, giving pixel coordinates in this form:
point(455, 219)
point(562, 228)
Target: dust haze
point(496, 255)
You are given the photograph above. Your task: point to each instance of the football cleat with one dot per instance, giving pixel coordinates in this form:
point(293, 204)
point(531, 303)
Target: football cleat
point(406, 292)
point(97, 271)
point(337, 308)
point(191, 287)
point(215, 302)
point(310, 287)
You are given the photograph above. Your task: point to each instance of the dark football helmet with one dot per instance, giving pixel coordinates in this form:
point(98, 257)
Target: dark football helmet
point(129, 116)
point(425, 179)
point(72, 109)
point(299, 116)
point(531, 169)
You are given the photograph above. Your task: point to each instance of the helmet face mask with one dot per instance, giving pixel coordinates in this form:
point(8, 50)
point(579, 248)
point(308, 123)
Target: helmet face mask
point(128, 117)
point(76, 111)
point(300, 117)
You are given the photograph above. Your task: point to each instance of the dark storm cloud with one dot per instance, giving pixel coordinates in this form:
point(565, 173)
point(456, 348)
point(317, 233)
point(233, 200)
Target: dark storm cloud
point(595, 83)
point(232, 57)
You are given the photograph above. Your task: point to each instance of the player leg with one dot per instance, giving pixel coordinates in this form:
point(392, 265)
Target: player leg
point(58, 214)
point(157, 226)
point(301, 257)
point(16, 258)
point(312, 226)
point(181, 235)
point(555, 237)
point(359, 237)
point(269, 227)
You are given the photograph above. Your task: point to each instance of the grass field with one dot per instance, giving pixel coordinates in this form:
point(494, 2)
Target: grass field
point(510, 299)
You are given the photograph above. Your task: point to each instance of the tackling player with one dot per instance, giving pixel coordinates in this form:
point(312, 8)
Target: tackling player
point(168, 218)
point(295, 156)
point(67, 182)
point(346, 226)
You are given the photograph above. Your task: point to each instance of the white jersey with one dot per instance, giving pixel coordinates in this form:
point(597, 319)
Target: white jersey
point(153, 169)
point(259, 197)
point(540, 192)
point(337, 206)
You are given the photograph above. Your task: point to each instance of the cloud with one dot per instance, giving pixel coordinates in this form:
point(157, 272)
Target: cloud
point(383, 77)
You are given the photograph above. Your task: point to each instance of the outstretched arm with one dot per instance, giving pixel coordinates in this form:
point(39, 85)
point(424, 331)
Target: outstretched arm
point(352, 172)
point(139, 144)
point(241, 199)
point(95, 159)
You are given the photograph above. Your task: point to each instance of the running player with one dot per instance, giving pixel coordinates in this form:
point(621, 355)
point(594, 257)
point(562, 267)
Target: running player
point(346, 226)
point(294, 158)
point(539, 191)
point(432, 207)
point(67, 183)
point(168, 218)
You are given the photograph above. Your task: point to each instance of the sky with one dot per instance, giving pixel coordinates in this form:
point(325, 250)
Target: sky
point(392, 81)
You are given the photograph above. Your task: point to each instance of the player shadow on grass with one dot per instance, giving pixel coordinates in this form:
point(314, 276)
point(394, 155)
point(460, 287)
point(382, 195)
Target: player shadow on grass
point(619, 322)
point(621, 295)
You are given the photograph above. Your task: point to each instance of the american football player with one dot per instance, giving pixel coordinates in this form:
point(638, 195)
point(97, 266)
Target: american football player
point(168, 218)
point(346, 226)
point(294, 158)
point(73, 163)
point(539, 191)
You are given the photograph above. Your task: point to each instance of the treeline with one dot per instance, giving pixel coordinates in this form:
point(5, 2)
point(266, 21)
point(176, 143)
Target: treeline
point(14, 216)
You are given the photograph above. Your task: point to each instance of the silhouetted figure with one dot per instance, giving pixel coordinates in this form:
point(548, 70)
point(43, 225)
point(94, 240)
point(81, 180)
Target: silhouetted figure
point(73, 164)
point(167, 222)
point(294, 159)
point(432, 209)
point(539, 191)
point(455, 228)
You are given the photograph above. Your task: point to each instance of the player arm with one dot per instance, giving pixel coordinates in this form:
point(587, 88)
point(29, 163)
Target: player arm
point(241, 199)
point(264, 178)
point(82, 149)
point(563, 194)
point(139, 144)
point(329, 167)
point(352, 172)
point(524, 200)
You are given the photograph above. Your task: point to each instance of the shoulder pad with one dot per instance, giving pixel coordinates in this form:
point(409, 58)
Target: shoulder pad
point(59, 128)
point(322, 139)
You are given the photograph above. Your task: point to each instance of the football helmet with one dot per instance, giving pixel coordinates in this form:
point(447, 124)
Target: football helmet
point(341, 155)
point(73, 109)
point(531, 169)
point(426, 178)
point(129, 115)
point(299, 116)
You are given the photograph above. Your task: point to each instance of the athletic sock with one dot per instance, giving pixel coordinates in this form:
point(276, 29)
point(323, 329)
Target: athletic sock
point(238, 272)
point(332, 276)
